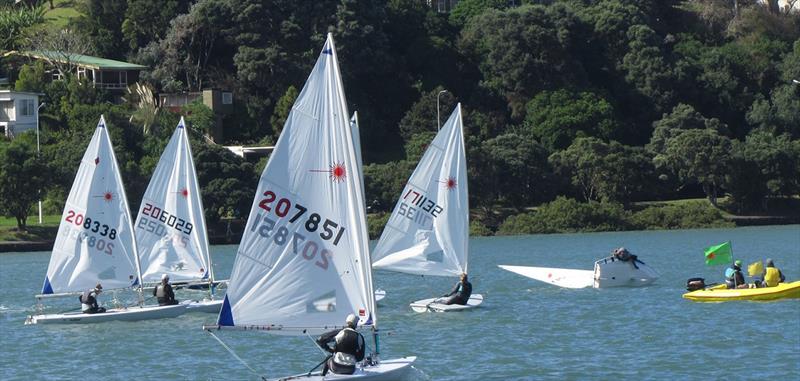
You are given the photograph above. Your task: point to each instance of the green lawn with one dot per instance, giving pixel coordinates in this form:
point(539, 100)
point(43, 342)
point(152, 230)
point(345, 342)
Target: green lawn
point(61, 14)
point(35, 232)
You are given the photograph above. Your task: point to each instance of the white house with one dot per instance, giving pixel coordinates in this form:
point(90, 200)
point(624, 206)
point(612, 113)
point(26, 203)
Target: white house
point(19, 112)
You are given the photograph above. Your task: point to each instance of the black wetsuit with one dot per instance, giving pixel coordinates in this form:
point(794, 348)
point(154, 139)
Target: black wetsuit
point(165, 295)
point(460, 294)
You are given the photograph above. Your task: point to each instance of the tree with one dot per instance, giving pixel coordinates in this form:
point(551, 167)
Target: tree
point(32, 78)
point(22, 176)
point(226, 182)
point(608, 172)
point(15, 23)
point(467, 9)
point(512, 169)
point(699, 156)
point(645, 68)
point(100, 23)
point(422, 115)
point(556, 118)
point(522, 51)
point(764, 165)
point(148, 20)
point(60, 48)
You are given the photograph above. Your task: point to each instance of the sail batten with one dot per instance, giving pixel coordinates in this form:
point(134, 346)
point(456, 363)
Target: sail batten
point(303, 259)
point(429, 226)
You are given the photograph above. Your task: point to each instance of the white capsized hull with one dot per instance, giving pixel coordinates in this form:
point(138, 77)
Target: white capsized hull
point(429, 305)
point(205, 305)
point(122, 314)
point(394, 369)
point(607, 273)
point(611, 272)
point(567, 278)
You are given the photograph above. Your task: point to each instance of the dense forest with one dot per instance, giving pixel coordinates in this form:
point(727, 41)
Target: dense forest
point(576, 111)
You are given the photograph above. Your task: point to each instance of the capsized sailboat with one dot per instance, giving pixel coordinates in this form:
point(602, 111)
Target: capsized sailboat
point(171, 228)
point(428, 231)
point(608, 272)
point(306, 235)
point(95, 241)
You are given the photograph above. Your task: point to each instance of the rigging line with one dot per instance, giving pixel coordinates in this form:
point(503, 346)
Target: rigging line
point(316, 344)
point(234, 354)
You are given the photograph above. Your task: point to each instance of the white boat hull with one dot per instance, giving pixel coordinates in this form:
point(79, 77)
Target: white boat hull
point(607, 273)
point(379, 295)
point(425, 305)
point(394, 369)
point(121, 314)
point(205, 305)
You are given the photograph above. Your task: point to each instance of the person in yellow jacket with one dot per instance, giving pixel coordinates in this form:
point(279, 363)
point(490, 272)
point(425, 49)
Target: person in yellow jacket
point(772, 275)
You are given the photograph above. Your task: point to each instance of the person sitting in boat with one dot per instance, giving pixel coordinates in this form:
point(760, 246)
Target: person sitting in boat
point(624, 255)
point(89, 300)
point(460, 293)
point(163, 291)
point(348, 348)
point(772, 275)
point(734, 278)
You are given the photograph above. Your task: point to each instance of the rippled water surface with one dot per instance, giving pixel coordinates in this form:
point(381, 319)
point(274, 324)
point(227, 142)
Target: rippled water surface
point(523, 330)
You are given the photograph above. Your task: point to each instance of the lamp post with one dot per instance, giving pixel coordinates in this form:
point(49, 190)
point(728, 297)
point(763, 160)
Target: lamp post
point(37, 157)
point(438, 119)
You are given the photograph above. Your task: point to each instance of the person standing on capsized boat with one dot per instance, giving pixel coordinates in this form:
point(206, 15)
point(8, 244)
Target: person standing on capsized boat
point(772, 275)
point(89, 300)
point(163, 291)
point(734, 278)
point(348, 348)
point(460, 293)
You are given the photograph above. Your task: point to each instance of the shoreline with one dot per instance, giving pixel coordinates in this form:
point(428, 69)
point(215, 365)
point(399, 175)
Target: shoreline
point(232, 239)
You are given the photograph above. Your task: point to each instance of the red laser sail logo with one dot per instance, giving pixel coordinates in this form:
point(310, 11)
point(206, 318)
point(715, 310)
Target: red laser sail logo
point(337, 172)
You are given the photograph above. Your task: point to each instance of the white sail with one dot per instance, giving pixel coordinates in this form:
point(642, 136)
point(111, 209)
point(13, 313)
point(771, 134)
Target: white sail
point(306, 238)
point(170, 228)
point(428, 230)
point(95, 242)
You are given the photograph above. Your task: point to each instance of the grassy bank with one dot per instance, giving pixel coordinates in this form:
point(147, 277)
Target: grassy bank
point(33, 232)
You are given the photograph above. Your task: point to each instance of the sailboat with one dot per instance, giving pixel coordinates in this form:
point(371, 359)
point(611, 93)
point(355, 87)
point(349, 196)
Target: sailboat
point(428, 231)
point(171, 228)
point(95, 241)
point(306, 235)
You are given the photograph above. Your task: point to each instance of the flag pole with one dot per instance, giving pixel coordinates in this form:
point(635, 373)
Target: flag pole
point(733, 265)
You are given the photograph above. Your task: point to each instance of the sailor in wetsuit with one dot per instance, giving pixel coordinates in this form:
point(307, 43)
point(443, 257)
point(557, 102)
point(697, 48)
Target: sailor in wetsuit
point(460, 293)
point(348, 348)
point(163, 291)
point(89, 300)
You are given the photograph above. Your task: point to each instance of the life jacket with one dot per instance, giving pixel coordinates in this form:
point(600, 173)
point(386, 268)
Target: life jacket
point(161, 291)
point(88, 300)
point(772, 277)
point(349, 347)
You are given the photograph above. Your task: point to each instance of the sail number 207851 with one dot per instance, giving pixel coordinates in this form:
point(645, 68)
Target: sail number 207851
point(329, 229)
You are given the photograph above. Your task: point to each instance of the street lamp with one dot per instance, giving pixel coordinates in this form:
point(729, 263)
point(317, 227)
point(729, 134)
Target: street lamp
point(38, 155)
point(796, 82)
point(438, 119)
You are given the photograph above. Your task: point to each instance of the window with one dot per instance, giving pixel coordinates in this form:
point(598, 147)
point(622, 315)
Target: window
point(227, 98)
point(26, 107)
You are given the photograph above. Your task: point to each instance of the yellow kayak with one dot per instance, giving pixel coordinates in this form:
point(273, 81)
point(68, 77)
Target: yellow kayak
point(720, 293)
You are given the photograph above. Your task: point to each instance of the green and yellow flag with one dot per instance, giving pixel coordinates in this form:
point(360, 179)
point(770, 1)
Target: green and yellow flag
point(719, 255)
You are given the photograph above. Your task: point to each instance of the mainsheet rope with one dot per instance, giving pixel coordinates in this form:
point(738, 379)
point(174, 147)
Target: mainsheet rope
point(235, 355)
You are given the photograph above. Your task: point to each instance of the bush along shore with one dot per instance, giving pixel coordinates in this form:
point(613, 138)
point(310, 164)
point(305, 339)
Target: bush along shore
point(563, 215)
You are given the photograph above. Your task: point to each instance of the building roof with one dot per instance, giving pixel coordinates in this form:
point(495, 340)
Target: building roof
point(84, 60)
point(5, 94)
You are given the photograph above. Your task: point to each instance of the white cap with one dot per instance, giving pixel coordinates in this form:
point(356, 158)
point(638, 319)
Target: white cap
point(164, 276)
point(351, 319)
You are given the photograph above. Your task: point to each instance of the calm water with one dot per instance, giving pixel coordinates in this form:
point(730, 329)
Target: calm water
point(524, 329)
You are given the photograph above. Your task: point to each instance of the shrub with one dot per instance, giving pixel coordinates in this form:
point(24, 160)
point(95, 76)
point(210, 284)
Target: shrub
point(375, 224)
point(564, 215)
point(477, 229)
point(689, 215)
